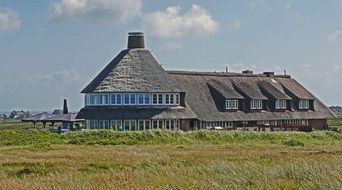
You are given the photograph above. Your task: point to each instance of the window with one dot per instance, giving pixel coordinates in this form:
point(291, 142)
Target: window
point(177, 99)
point(256, 104)
point(143, 99)
point(103, 99)
point(280, 104)
point(117, 125)
point(93, 99)
point(126, 99)
point(130, 125)
point(133, 99)
point(303, 104)
point(167, 99)
point(93, 124)
point(232, 104)
point(160, 99)
point(143, 125)
point(158, 124)
point(104, 124)
point(87, 99)
point(157, 99)
point(170, 99)
point(147, 99)
point(170, 124)
point(116, 99)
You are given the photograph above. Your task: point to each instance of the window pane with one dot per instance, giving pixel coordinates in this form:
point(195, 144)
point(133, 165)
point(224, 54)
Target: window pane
point(155, 124)
point(155, 98)
point(161, 125)
point(119, 125)
point(132, 98)
point(106, 99)
point(141, 125)
point(172, 99)
point(167, 99)
point(133, 125)
point(160, 98)
point(126, 98)
point(147, 99)
point(118, 99)
point(113, 99)
point(147, 125)
point(177, 99)
point(141, 99)
point(127, 125)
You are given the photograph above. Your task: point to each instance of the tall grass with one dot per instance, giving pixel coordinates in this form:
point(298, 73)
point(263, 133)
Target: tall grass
point(106, 137)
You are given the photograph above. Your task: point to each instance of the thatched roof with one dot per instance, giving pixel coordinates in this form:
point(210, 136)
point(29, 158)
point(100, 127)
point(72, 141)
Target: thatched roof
point(133, 70)
point(200, 99)
point(106, 112)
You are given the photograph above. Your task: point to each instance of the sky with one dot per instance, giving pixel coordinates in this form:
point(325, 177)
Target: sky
point(51, 49)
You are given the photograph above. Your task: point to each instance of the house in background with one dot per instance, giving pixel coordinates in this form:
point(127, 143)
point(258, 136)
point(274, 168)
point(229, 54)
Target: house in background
point(134, 92)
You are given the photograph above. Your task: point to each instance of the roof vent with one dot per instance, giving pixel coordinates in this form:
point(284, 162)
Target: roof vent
point(135, 40)
point(269, 74)
point(247, 72)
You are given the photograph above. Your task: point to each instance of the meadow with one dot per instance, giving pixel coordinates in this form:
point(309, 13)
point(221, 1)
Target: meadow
point(35, 159)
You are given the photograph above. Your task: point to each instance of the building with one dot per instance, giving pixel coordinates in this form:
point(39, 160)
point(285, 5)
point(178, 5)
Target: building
point(134, 92)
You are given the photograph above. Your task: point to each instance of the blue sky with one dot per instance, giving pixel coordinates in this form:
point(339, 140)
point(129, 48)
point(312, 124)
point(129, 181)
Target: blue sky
point(50, 49)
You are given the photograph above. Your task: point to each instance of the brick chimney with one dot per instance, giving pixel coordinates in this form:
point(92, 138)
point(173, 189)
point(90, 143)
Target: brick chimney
point(135, 40)
point(269, 74)
point(247, 72)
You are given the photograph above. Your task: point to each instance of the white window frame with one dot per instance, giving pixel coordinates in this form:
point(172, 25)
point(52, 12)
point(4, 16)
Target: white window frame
point(158, 99)
point(102, 99)
point(94, 97)
point(94, 124)
point(130, 124)
point(145, 96)
point(103, 124)
point(232, 104)
point(304, 104)
point(130, 99)
point(144, 124)
point(117, 125)
point(280, 104)
point(256, 104)
point(115, 96)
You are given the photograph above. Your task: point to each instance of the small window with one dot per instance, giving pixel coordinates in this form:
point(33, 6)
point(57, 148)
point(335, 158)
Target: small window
point(280, 104)
point(117, 125)
point(177, 99)
point(127, 99)
point(141, 99)
point(103, 124)
point(133, 100)
point(232, 104)
point(160, 99)
point(118, 99)
point(256, 104)
point(93, 99)
point(147, 99)
point(304, 104)
point(93, 124)
point(167, 99)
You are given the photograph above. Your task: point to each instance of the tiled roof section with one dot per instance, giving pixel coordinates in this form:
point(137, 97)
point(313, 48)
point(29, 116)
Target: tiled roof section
point(105, 112)
point(133, 70)
point(199, 97)
point(225, 88)
point(249, 88)
point(296, 89)
point(273, 89)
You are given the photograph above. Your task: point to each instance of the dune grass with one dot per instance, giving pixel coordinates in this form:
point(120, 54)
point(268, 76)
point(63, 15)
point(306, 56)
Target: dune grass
point(171, 167)
point(35, 159)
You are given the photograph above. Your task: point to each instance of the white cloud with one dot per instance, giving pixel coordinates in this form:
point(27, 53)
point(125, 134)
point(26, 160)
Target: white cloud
point(171, 24)
point(118, 11)
point(9, 20)
point(334, 35)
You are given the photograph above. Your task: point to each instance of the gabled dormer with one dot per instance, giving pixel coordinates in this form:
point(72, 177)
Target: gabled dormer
point(254, 99)
point(225, 97)
point(278, 99)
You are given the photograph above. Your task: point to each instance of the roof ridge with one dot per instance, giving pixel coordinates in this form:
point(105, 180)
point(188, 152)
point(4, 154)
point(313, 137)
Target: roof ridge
point(222, 74)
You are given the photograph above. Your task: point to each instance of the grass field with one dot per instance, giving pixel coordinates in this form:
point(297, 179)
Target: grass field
point(169, 160)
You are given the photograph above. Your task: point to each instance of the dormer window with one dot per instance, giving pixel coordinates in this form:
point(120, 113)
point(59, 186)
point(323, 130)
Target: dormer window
point(280, 104)
point(304, 104)
point(232, 104)
point(256, 104)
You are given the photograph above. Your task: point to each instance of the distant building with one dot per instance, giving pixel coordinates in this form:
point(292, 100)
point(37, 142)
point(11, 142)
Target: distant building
point(57, 112)
point(20, 114)
point(336, 109)
point(134, 92)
